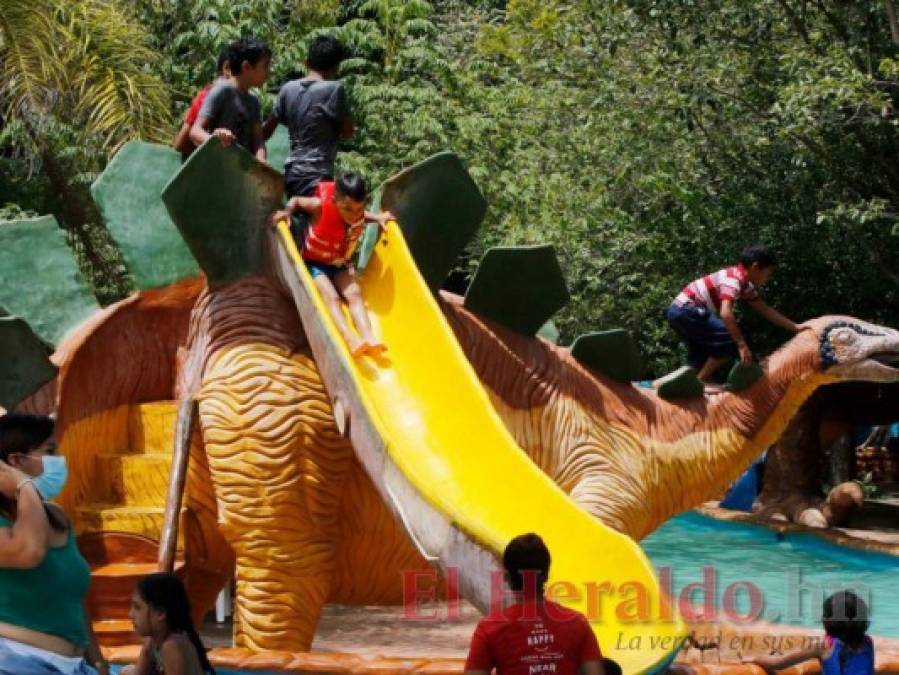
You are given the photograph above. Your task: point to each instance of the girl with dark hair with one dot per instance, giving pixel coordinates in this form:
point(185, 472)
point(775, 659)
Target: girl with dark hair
point(44, 628)
point(160, 611)
point(846, 649)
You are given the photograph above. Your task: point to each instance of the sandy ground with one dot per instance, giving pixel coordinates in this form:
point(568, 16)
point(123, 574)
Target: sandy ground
point(378, 630)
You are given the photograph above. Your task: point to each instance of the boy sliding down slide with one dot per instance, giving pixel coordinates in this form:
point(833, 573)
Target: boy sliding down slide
point(336, 217)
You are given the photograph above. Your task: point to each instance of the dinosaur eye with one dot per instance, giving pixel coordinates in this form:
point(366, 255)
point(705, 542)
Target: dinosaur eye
point(842, 336)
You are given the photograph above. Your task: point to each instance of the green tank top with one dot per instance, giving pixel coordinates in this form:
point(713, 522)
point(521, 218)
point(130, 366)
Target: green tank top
point(50, 597)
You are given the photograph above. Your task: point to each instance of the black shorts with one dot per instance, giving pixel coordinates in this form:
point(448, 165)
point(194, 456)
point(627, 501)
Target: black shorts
point(303, 184)
point(704, 333)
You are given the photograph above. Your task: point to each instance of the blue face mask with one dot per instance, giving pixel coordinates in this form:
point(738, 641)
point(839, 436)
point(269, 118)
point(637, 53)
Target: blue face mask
point(51, 482)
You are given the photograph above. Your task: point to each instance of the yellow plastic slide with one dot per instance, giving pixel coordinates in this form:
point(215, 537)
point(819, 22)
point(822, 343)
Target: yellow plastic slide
point(426, 431)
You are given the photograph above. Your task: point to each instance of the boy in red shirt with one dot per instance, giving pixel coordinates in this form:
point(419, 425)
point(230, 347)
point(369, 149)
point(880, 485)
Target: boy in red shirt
point(534, 636)
point(182, 142)
point(336, 216)
point(703, 312)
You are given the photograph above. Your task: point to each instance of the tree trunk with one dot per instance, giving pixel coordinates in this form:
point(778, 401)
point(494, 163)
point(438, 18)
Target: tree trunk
point(842, 460)
point(891, 17)
point(793, 466)
point(797, 464)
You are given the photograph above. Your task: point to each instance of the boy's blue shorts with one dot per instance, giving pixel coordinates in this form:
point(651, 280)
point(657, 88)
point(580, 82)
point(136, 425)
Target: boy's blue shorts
point(317, 269)
point(704, 332)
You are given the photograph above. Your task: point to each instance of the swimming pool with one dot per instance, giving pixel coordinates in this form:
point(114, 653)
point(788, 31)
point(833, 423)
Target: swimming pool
point(789, 573)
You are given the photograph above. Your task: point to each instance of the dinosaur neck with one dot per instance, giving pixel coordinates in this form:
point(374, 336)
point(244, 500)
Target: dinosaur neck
point(762, 412)
point(739, 428)
point(628, 457)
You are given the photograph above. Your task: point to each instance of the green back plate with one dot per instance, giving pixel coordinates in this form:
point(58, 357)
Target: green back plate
point(366, 246)
point(128, 194)
point(220, 201)
point(278, 147)
point(39, 280)
point(24, 362)
point(520, 287)
point(741, 377)
point(549, 332)
point(612, 353)
point(439, 208)
point(682, 383)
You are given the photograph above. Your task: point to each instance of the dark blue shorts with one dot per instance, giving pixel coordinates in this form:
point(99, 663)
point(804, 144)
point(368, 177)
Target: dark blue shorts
point(298, 227)
point(704, 333)
point(301, 183)
point(317, 269)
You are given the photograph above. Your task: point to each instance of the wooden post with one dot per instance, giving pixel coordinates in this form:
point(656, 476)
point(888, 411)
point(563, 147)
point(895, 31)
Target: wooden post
point(187, 418)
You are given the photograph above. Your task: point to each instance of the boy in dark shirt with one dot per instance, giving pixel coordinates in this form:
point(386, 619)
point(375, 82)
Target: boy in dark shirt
point(314, 110)
point(230, 112)
point(182, 142)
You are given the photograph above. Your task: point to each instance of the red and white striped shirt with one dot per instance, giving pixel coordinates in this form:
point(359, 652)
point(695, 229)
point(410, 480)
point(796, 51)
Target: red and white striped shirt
point(731, 283)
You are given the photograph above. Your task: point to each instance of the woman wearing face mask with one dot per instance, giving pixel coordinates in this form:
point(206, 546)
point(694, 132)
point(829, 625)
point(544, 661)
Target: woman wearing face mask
point(44, 628)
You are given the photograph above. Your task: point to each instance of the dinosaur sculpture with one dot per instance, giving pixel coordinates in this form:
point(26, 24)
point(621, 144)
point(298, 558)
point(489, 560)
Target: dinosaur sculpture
point(277, 496)
point(628, 457)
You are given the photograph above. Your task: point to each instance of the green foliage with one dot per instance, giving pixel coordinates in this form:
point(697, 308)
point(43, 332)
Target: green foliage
point(648, 140)
point(74, 85)
point(669, 134)
point(81, 61)
point(189, 34)
point(10, 211)
point(398, 83)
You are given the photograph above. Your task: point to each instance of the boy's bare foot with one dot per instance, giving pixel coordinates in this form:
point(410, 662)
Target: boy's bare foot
point(358, 348)
point(375, 348)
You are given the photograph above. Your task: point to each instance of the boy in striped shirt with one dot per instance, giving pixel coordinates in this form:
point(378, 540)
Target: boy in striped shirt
point(703, 312)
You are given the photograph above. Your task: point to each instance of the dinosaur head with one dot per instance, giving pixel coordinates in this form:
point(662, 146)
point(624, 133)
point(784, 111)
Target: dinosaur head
point(850, 349)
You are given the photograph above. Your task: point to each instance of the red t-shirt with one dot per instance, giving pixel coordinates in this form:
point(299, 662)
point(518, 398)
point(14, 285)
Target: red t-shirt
point(533, 639)
point(194, 110)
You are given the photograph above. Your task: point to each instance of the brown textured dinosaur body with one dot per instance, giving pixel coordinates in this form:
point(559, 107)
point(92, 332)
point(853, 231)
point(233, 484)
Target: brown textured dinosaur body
point(275, 487)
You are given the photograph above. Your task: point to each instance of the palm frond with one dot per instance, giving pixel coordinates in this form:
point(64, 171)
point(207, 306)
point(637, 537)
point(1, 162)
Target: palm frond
point(28, 60)
point(83, 61)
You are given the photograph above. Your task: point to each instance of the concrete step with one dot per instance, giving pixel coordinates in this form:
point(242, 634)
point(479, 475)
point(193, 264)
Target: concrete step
point(134, 480)
point(151, 427)
point(146, 521)
point(115, 632)
point(113, 584)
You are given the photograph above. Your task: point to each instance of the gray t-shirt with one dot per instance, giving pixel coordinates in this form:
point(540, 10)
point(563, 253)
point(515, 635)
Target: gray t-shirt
point(313, 111)
point(228, 107)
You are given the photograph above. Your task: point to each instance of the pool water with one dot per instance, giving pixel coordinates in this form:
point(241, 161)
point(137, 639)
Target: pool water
point(751, 571)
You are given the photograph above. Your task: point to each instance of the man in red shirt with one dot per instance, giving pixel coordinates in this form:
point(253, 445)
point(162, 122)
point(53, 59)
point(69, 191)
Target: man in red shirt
point(533, 636)
point(182, 142)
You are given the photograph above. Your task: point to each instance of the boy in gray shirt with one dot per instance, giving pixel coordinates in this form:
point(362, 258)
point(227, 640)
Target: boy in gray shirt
point(230, 112)
point(314, 109)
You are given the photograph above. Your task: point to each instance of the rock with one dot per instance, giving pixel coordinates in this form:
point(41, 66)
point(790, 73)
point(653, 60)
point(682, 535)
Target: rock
point(842, 501)
point(812, 518)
